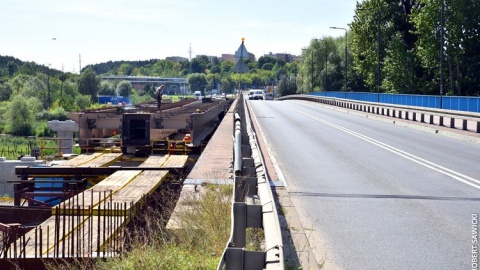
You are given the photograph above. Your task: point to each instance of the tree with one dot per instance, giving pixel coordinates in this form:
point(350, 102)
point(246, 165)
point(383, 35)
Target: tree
point(20, 119)
point(262, 60)
point(89, 84)
point(200, 63)
point(83, 101)
point(164, 68)
point(125, 69)
point(461, 47)
point(68, 99)
point(197, 82)
point(5, 91)
point(287, 86)
point(267, 66)
point(124, 88)
point(228, 84)
point(107, 89)
point(226, 66)
point(12, 68)
point(215, 69)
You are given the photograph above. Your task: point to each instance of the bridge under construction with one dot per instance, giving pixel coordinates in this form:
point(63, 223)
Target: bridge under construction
point(89, 200)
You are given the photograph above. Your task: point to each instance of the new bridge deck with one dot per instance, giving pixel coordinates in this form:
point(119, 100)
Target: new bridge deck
point(88, 223)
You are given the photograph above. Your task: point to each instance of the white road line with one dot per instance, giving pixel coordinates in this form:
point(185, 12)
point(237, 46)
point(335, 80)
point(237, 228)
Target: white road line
point(267, 146)
point(454, 174)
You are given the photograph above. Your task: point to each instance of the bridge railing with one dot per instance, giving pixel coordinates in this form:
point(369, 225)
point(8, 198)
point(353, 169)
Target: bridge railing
point(460, 103)
point(253, 205)
point(467, 121)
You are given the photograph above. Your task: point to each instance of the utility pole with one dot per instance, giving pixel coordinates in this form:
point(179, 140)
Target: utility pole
point(442, 42)
point(346, 54)
point(190, 58)
point(79, 63)
point(326, 65)
point(48, 86)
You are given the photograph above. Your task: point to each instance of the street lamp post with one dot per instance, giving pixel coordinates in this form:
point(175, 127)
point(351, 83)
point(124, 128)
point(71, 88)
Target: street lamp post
point(442, 41)
point(326, 65)
point(312, 70)
point(48, 86)
point(303, 60)
point(346, 55)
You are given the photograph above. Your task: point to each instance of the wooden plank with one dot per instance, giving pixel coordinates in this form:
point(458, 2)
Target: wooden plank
point(79, 160)
point(98, 193)
point(166, 161)
point(154, 161)
point(145, 183)
point(102, 160)
point(176, 161)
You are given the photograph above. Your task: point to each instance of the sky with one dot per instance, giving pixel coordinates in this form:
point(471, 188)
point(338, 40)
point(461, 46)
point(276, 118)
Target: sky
point(67, 34)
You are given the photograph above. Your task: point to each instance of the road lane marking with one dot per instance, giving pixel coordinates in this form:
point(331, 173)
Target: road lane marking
point(267, 146)
point(454, 174)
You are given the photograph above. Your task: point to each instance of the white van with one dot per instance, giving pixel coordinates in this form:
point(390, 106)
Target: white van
point(197, 94)
point(250, 94)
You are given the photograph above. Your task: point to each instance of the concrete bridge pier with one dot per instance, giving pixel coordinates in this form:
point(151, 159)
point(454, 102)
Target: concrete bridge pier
point(64, 130)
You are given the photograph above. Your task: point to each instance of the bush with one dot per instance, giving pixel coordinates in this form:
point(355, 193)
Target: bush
point(20, 118)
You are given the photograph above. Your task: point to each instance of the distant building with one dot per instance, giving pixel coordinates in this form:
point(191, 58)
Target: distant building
point(228, 57)
point(283, 56)
point(231, 57)
point(173, 85)
point(176, 59)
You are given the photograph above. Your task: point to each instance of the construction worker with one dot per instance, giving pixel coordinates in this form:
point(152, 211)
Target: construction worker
point(159, 95)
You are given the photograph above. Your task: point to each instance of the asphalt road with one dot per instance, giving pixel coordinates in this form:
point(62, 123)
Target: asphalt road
point(373, 195)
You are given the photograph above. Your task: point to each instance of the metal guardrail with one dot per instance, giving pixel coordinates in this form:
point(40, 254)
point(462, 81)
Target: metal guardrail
point(253, 206)
point(461, 120)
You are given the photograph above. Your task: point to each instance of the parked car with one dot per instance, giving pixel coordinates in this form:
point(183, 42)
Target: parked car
point(268, 96)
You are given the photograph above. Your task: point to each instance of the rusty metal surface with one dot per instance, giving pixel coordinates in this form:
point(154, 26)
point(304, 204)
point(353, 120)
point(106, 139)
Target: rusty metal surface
point(23, 215)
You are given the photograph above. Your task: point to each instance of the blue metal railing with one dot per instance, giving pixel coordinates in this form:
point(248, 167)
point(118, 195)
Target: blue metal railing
point(457, 103)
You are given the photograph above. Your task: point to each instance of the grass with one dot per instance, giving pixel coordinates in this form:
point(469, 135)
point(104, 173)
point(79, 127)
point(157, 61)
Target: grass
point(205, 224)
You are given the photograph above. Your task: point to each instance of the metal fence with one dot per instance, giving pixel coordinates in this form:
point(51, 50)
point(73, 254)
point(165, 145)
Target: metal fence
point(458, 103)
point(253, 205)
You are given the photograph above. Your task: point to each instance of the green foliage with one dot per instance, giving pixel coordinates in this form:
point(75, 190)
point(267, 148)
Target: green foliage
point(462, 47)
point(13, 147)
point(107, 88)
point(125, 69)
point(83, 101)
point(124, 88)
point(226, 66)
point(54, 113)
point(89, 84)
point(228, 84)
point(169, 258)
point(20, 119)
point(287, 86)
point(200, 64)
point(43, 131)
point(5, 91)
point(267, 66)
point(138, 98)
point(197, 82)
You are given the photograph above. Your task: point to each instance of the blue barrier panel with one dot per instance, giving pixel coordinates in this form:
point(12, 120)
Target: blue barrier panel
point(114, 100)
point(459, 103)
point(51, 200)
